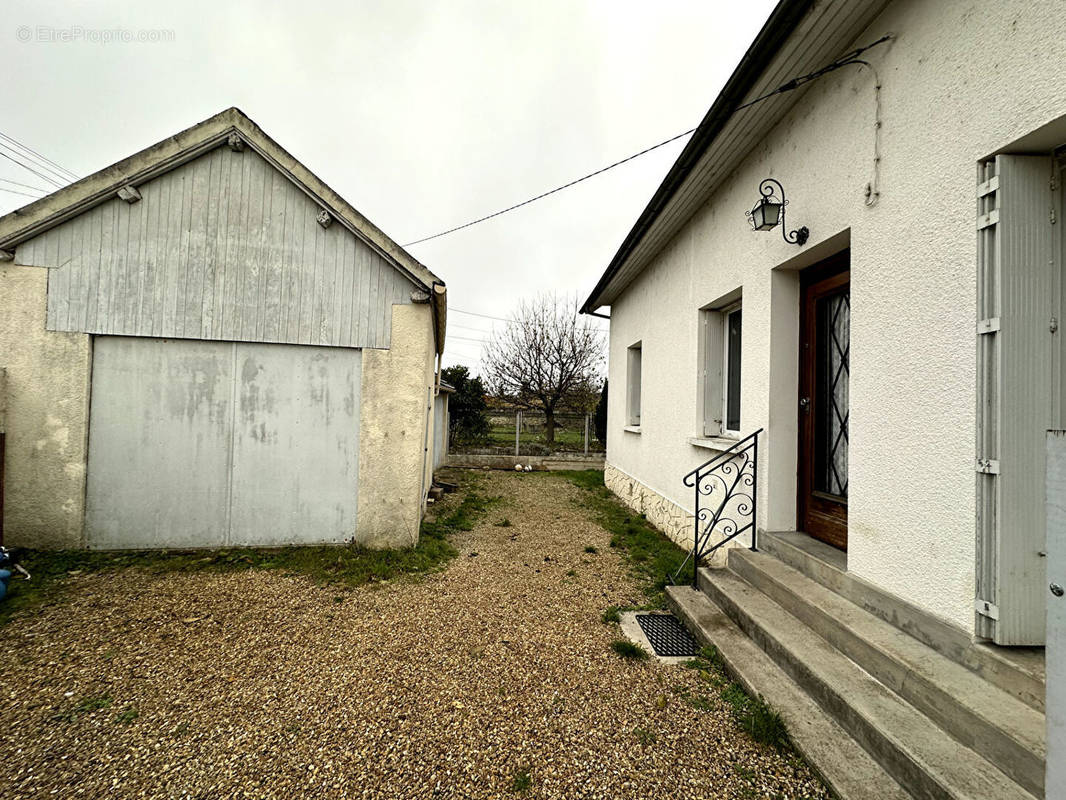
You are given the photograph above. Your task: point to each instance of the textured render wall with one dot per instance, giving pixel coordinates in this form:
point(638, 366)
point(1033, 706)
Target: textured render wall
point(394, 425)
point(959, 83)
point(47, 416)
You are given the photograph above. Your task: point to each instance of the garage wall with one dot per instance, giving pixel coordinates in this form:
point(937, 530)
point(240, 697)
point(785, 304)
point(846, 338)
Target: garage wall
point(396, 431)
point(47, 416)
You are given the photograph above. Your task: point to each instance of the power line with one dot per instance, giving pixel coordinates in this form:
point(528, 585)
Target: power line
point(48, 174)
point(40, 175)
point(787, 86)
point(542, 195)
point(24, 194)
point(24, 185)
point(503, 319)
point(468, 339)
point(476, 314)
point(45, 159)
point(468, 328)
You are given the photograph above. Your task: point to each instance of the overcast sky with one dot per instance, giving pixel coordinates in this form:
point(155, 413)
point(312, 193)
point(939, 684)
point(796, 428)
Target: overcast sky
point(423, 115)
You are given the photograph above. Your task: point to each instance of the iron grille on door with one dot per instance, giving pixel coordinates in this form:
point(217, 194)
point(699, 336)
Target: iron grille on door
point(834, 320)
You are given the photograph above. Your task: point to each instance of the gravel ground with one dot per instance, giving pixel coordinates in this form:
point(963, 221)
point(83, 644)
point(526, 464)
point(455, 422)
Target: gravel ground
point(478, 681)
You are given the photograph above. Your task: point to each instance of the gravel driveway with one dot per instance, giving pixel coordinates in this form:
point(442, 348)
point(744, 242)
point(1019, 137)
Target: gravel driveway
point(492, 678)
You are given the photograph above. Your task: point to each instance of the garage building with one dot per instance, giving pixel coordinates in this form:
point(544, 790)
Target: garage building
point(205, 346)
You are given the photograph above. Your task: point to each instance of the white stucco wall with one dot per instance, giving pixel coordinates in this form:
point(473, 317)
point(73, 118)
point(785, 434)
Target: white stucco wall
point(960, 81)
point(395, 431)
point(47, 416)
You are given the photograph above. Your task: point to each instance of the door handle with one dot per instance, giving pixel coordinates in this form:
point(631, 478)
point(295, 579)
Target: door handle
point(1056, 590)
point(805, 403)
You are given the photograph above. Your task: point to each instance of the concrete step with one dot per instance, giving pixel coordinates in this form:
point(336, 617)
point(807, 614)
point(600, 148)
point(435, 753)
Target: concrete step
point(1018, 671)
point(907, 744)
point(986, 719)
point(843, 764)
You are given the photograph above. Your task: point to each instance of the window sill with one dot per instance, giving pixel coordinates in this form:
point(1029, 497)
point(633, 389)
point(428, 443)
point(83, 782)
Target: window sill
point(719, 443)
point(631, 429)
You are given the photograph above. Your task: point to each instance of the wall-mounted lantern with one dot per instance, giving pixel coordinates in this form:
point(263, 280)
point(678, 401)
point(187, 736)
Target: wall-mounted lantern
point(769, 212)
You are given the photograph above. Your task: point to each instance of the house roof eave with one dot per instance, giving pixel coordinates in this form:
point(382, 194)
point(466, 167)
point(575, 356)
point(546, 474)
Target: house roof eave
point(800, 35)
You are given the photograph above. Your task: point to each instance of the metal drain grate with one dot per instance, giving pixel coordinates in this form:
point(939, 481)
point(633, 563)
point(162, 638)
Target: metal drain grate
point(667, 635)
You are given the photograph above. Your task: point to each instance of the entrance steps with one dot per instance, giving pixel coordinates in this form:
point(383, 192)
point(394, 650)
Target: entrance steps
point(880, 701)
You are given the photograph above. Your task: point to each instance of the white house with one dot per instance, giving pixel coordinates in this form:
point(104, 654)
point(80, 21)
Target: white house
point(205, 345)
point(898, 343)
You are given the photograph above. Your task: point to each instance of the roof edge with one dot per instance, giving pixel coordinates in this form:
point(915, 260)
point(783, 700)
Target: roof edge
point(774, 33)
point(68, 202)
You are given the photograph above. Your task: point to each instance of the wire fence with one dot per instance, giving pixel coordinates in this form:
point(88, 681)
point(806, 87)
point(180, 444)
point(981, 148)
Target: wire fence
point(524, 433)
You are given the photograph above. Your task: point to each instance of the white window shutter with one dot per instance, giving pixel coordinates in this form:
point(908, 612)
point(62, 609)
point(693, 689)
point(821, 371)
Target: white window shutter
point(1016, 393)
point(713, 342)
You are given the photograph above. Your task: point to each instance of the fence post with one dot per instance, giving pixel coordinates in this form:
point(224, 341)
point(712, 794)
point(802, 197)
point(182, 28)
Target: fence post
point(586, 435)
point(517, 430)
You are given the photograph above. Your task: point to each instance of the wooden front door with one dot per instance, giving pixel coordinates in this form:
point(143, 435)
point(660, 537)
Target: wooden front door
point(825, 317)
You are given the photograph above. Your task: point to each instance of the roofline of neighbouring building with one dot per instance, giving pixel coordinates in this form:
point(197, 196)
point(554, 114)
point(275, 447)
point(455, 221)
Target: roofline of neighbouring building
point(88, 192)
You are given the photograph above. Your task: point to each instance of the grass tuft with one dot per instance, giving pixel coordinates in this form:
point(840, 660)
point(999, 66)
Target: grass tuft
point(591, 549)
point(611, 614)
point(90, 704)
point(629, 650)
point(644, 736)
point(522, 781)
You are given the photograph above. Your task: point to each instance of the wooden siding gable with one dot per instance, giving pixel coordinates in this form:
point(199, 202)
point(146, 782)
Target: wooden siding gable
point(223, 247)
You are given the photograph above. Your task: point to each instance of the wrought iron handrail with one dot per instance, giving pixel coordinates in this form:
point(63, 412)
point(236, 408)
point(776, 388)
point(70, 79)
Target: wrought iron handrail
point(730, 482)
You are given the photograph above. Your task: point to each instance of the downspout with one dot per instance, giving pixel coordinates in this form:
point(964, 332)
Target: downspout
point(438, 301)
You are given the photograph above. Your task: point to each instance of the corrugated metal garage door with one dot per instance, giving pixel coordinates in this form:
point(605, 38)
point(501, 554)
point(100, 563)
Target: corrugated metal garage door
point(202, 444)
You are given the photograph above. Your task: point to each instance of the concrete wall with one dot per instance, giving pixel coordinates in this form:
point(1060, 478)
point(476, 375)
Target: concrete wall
point(47, 416)
point(559, 461)
point(960, 82)
point(396, 432)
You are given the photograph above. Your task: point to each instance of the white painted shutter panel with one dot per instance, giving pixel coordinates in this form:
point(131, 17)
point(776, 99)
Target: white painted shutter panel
point(1017, 300)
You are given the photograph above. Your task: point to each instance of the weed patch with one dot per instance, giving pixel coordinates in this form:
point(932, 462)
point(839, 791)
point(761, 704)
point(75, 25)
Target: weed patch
point(90, 704)
point(345, 566)
point(629, 650)
point(611, 614)
point(644, 736)
point(753, 714)
point(651, 555)
point(522, 781)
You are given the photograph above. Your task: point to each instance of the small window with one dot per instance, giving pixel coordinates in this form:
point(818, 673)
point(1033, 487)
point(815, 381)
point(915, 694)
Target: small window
point(721, 360)
point(633, 386)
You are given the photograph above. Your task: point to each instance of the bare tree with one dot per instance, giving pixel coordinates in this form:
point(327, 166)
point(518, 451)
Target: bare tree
point(546, 357)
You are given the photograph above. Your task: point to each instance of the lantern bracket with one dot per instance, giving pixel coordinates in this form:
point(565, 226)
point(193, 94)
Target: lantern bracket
point(769, 197)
